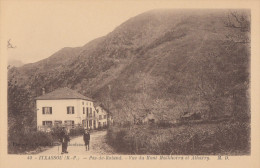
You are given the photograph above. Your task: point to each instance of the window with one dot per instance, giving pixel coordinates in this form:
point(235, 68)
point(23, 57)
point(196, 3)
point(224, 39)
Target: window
point(90, 113)
point(87, 111)
point(47, 123)
point(70, 110)
point(46, 110)
point(100, 117)
point(83, 110)
point(57, 122)
point(105, 116)
point(84, 123)
point(69, 122)
point(90, 123)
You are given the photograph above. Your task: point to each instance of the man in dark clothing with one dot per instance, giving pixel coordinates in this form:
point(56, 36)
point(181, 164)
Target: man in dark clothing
point(64, 138)
point(86, 138)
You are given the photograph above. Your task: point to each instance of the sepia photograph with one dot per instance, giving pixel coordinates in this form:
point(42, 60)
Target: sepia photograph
point(88, 80)
point(167, 81)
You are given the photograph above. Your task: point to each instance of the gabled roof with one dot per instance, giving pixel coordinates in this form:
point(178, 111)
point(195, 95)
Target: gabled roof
point(98, 104)
point(63, 93)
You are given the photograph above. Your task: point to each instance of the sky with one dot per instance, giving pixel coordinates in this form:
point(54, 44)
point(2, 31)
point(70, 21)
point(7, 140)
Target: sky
point(38, 29)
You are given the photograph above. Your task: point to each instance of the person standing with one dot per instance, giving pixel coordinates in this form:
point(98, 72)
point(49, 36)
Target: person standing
point(64, 138)
point(86, 138)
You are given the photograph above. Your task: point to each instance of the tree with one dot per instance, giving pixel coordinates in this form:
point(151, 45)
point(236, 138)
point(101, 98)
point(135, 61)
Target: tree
point(224, 74)
point(240, 24)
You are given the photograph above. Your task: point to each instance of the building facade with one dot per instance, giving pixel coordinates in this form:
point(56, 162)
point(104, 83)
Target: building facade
point(104, 117)
point(65, 107)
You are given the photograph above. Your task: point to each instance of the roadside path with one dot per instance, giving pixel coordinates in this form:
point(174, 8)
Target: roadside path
point(76, 146)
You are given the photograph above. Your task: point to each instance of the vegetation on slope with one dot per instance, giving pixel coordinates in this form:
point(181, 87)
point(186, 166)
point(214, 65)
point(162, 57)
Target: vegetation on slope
point(226, 138)
point(168, 62)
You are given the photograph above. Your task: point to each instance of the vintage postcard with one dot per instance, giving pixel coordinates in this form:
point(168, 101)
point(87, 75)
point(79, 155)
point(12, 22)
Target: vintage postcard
point(129, 83)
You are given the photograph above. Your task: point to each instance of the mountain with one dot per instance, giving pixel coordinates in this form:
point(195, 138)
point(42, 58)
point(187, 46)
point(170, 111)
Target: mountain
point(164, 61)
point(15, 63)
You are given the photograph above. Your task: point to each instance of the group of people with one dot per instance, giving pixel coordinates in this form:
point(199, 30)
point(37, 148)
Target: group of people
point(65, 139)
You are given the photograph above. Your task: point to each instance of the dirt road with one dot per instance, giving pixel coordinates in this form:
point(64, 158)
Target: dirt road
point(76, 146)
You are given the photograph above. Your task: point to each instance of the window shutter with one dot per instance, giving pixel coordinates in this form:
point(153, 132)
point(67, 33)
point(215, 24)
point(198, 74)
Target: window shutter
point(50, 110)
point(43, 112)
point(67, 110)
point(72, 110)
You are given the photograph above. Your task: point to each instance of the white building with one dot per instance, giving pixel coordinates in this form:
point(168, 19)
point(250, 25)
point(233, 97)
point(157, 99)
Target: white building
point(104, 117)
point(65, 107)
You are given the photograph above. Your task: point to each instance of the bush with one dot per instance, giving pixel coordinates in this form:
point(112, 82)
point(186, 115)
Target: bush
point(76, 131)
point(115, 137)
point(164, 124)
point(235, 137)
point(55, 132)
point(22, 142)
point(192, 139)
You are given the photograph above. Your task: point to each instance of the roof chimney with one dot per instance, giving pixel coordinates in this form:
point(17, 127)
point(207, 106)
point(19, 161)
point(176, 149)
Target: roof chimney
point(43, 91)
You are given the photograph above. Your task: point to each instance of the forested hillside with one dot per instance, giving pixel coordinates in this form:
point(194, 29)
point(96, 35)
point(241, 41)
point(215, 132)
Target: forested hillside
point(163, 61)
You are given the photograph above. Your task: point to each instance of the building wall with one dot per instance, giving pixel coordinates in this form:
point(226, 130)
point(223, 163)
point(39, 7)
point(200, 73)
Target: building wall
point(88, 119)
point(59, 110)
point(102, 122)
